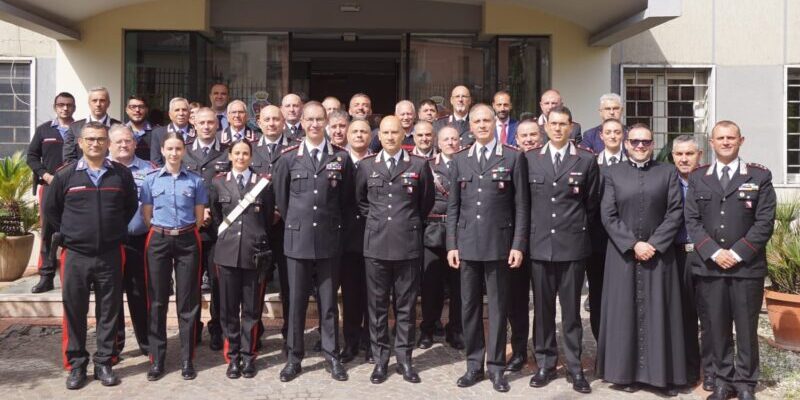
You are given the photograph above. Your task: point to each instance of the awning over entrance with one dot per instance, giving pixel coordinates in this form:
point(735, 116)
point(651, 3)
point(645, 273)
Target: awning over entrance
point(606, 21)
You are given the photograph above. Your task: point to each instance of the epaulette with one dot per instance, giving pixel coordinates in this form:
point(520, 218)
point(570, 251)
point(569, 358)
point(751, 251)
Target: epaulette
point(65, 165)
point(290, 148)
point(700, 166)
point(153, 165)
point(220, 175)
point(537, 146)
point(759, 166)
point(441, 118)
point(586, 149)
point(337, 147)
point(369, 156)
point(419, 156)
point(463, 149)
point(511, 147)
point(152, 171)
point(265, 175)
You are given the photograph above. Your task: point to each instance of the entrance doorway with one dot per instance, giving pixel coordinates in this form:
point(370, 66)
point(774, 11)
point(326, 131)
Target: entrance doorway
point(341, 65)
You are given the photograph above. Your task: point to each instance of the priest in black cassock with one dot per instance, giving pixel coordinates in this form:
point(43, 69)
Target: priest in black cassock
point(641, 329)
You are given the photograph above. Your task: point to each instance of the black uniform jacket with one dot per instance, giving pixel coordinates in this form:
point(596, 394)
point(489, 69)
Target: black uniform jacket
point(71, 151)
point(247, 234)
point(354, 223)
point(143, 149)
point(313, 200)
point(395, 205)
point(563, 203)
point(488, 209)
point(739, 218)
point(158, 138)
point(263, 160)
point(226, 136)
point(206, 166)
point(92, 219)
point(44, 152)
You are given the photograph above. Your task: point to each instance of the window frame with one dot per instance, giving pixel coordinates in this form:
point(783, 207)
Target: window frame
point(791, 180)
point(32, 94)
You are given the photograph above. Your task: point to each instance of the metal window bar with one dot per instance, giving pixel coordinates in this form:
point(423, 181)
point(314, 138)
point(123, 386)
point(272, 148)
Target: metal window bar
point(793, 124)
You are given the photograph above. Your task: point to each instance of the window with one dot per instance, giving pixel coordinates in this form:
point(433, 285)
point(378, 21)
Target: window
point(16, 116)
point(793, 124)
point(671, 101)
point(523, 70)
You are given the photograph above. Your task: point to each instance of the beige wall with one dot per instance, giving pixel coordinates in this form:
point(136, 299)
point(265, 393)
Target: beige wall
point(97, 59)
point(580, 72)
point(793, 32)
point(16, 41)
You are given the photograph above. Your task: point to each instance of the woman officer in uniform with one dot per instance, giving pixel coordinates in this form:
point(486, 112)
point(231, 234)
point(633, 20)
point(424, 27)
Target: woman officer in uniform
point(241, 256)
point(173, 201)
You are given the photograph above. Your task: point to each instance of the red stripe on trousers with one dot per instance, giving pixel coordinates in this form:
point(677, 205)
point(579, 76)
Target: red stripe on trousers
point(39, 193)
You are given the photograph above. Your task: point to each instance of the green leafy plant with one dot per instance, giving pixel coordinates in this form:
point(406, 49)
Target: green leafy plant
point(18, 213)
point(783, 249)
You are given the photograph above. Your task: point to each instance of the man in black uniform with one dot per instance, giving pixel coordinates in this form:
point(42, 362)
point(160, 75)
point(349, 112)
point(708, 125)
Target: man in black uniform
point(238, 129)
point(564, 187)
point(90, 203)
point(44, 157)
point(435, 271)
point(394, 191)
point(291, 106)
point(730, 212)
point(203, 156)
point(99, 100)
point(142, 129)
point(179, 117)
point(265, 154)
point(461, 100)
point(313, 185)
point(488, 214)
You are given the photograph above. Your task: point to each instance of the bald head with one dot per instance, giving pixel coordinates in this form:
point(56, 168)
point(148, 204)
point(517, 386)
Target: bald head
point(270, 120)
point(290, 108)
point(550, 99)
point(461, 101)
point(391, 134)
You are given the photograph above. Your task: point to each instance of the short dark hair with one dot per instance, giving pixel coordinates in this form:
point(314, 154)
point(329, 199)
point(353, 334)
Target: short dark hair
point(245, 142)
point(611, 120)
point(726, 124)
point(94, 125)
point(67, 95)
point(561, 110)
point(428, 102)
point(640, 125)
point(172, 135)
point(137, 98)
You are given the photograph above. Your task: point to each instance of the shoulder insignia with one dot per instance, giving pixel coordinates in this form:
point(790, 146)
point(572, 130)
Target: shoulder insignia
point(220, 175)
point(463, 149)
point(153, 165)
point(700, 167)
point(586, 149)
point(369, 156)
point(153, 171)
point(419, 156)
point(337, 147)
point(65, 165)
point(290, 148)
point(759, 166)
point(537, 146)
point(265, 175)
point(512, 147)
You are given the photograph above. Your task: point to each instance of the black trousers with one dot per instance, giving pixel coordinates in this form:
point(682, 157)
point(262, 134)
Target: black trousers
point(436, 273)
point(594, 275)
point(133, 282)
point(46, 267)
point(564, 279)
point(495, 274)
point(401, 278)
point(355, 318)
point(78, 271)
point(300, 274)
point(241, 298)
point(519, 306)
point(214, 325)
point(183, 253)
point(276, 245)
point(733, 302)
point(698, 357)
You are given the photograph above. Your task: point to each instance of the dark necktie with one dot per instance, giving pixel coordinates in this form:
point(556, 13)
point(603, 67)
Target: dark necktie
point(725, 179)
point(392, 164)
point(237, 137)
point(314, 154)
point(557, 162)
point(219, 121)
point(447, 163)
point(271, 147)
point(205, 151)
point(482, 157)
point(294, 130)
point(240, 180)
point(612, 160)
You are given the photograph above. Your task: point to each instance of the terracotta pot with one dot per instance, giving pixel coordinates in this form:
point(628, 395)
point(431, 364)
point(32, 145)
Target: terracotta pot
point(784, 316)
point(15, 251)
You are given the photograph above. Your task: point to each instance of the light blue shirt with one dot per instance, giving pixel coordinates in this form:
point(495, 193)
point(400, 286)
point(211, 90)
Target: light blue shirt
point(139, 169)
point(61, 129)
point(94, 175)
point(173, 197)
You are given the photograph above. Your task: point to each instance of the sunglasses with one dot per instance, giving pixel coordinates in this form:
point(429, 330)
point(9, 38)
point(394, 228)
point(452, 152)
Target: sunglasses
point(640, 142)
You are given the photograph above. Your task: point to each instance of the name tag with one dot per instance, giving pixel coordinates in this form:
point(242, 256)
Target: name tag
point(50, 140)
point(748, 187)
point(333, 166)
point(76, 188)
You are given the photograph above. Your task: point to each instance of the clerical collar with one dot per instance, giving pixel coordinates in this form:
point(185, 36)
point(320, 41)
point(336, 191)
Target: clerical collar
point(639, 165)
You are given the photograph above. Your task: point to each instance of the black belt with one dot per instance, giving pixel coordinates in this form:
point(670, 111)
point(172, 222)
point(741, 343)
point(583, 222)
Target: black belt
point(173, 232)
point(685, 247)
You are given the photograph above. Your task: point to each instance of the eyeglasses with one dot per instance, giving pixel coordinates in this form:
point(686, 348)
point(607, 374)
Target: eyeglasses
point(640, 142)
point(137, 107)
point(98, 140)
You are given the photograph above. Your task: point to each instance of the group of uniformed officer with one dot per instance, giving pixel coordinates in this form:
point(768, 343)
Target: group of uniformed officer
point(388, 224)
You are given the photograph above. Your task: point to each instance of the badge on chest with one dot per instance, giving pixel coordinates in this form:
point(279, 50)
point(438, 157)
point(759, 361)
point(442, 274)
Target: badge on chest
point(334, 171)
point(747, 192)
point(575, 181)
point(502, 176)
point(410, 180)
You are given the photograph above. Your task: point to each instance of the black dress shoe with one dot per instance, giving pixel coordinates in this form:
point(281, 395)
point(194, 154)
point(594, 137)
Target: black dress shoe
point(233, 371)
point(455, 341)
point(470, 378)
point(337, 370)
point(76, 378)
point(216, 342)
point(516, 362)
point(348, 354)
point(105, 375)
point(499, 381)
point(317, 346)
point(155, 372)
point(579, 382)
point(746, 394)
point(368, 357)
point(408, 372)
point(249, 369)
point(45, 284)
point(720, 393)
point(379, 374)
point(669, 391)
point(290, 371)
point(542, 377)
point(187, 370)
point(631, 388)
point(425, 341)
point(708, 383)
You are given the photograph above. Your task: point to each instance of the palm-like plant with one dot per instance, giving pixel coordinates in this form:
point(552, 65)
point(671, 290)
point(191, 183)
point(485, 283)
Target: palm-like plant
point(783, 249)
point(18, 215)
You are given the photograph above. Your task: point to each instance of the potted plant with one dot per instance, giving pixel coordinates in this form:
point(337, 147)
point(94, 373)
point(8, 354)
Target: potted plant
point(783, 270)
point(19, 216)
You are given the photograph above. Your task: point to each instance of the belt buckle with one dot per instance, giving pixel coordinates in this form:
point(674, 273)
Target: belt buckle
point(688, 247)
point(174, 232)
